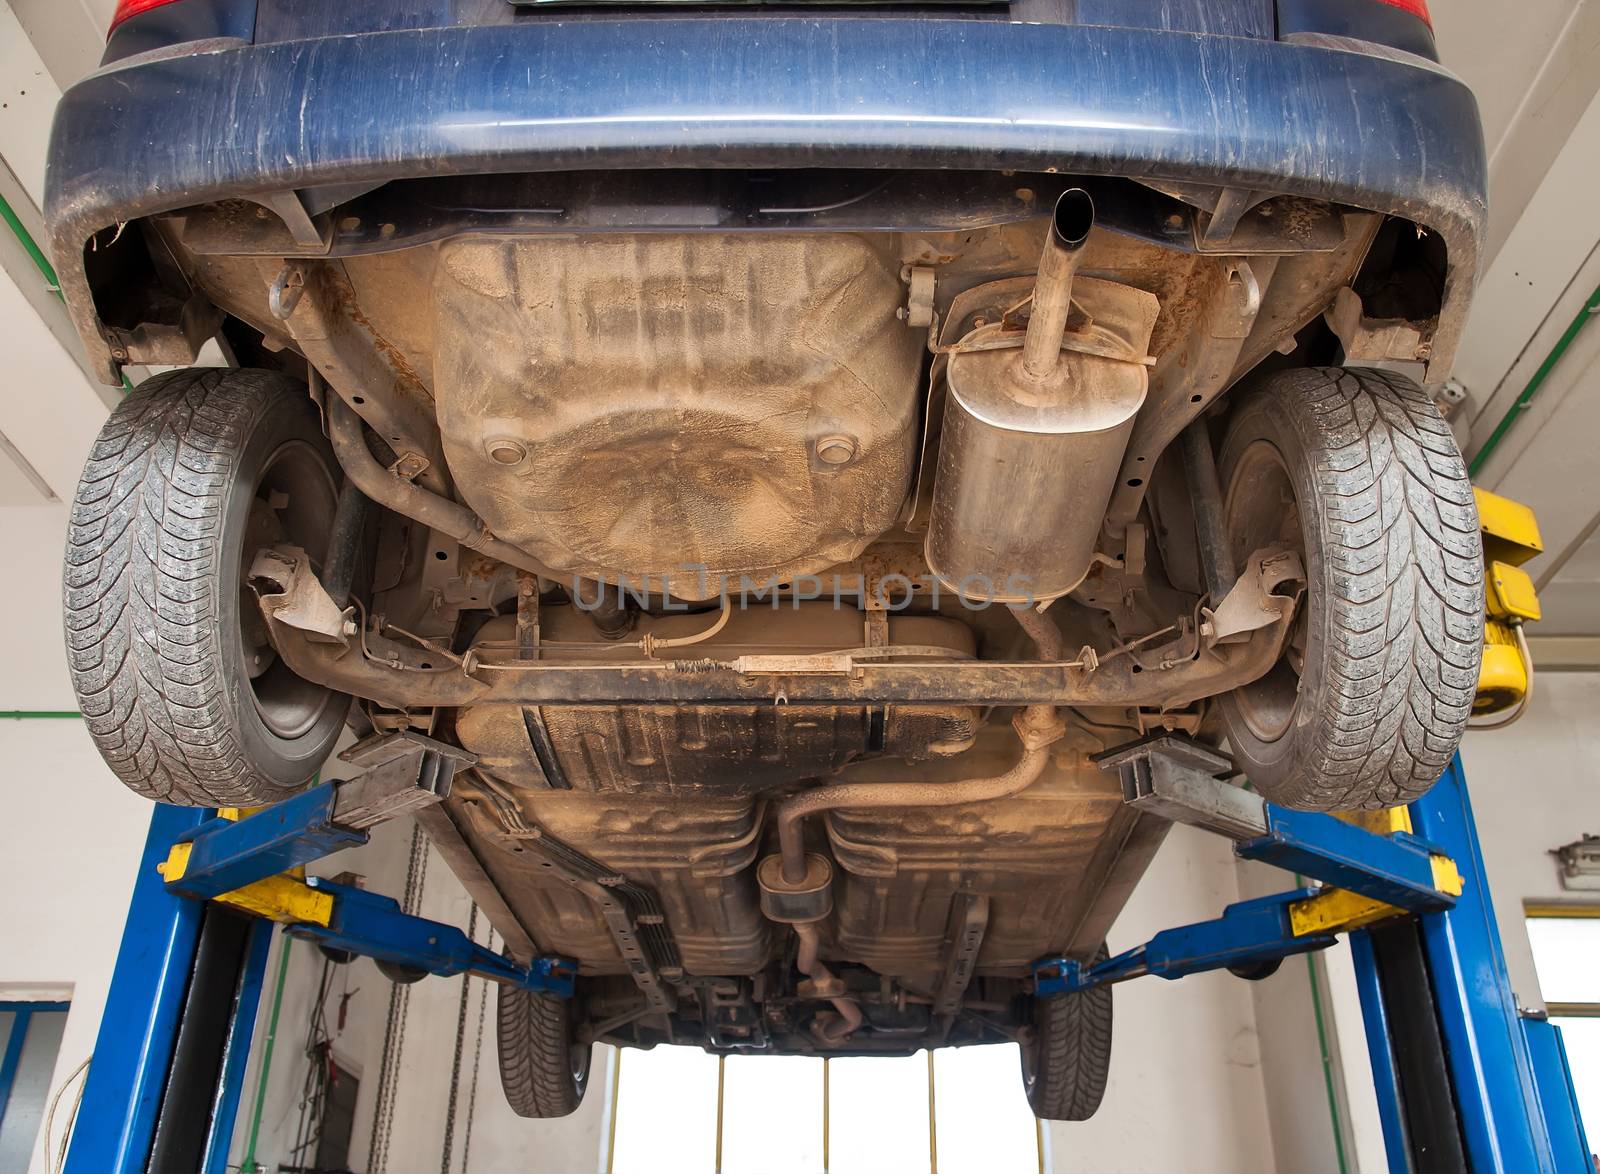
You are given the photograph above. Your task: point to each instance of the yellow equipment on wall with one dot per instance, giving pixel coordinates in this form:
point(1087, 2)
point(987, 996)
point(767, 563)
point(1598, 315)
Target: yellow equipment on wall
point(1510, 538)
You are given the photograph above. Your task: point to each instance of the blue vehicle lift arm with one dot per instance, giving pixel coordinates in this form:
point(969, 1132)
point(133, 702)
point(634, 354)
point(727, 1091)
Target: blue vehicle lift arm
point(1465, 1081)
point(164, 1087)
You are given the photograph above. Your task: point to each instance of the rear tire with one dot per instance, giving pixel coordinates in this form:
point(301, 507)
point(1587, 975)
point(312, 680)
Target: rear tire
point(544, 1070)
point(1356, 470)
point(175, 678)
point(1067, 1058)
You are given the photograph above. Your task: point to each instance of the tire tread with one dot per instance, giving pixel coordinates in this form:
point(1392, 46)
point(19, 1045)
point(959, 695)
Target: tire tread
point(1404, 589)
point(139, 585)
point(1072, 1053)
point(534, 1042)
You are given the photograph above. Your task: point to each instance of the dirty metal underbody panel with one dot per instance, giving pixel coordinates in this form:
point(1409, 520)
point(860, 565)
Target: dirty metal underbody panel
point(681, 414)
point(638, 405)
point(627, 838)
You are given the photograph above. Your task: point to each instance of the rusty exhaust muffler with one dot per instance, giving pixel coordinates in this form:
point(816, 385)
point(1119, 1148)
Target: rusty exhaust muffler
point(1033, 437)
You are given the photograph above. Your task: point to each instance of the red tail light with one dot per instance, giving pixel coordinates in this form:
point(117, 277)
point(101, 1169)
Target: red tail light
point(127, 8)
point(1417, 8)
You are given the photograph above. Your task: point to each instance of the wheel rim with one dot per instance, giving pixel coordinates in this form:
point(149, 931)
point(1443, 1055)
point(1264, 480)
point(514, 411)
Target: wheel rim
point(293, 501)
point(1263, 510)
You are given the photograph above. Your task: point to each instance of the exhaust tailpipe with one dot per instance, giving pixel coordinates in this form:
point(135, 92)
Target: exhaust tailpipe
point(1052, 292)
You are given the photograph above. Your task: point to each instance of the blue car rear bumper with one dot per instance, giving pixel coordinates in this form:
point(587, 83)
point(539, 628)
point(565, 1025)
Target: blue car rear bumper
point(1392, 134)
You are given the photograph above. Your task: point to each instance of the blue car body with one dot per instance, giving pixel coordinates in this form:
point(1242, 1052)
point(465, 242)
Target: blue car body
point(206, 100)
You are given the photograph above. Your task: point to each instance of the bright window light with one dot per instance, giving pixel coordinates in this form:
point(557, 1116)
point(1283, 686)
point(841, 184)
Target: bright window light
point(878, 1115)
point(796, 1115)
point(985, 1125)
point(666, 1112)
point(1564, 953)
point(772, 1115)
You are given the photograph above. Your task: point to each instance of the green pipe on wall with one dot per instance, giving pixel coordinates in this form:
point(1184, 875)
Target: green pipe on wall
point(1585, 315)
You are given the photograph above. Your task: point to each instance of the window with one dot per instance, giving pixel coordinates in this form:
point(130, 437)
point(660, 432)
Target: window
point(961, 1109)
point(30, 1036)
point(1564, 953)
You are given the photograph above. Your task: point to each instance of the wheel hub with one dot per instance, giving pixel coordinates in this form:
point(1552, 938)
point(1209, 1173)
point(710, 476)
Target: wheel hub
point(1261, 511)
point(293, 501)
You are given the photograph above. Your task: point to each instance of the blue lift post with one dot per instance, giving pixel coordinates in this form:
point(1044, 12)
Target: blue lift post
point(1508, 1092)
point(1465, 1081)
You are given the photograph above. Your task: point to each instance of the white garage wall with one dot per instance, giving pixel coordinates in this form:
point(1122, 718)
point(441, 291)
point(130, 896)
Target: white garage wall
point(73, 837)
point(1535, 787)
point(73, 834)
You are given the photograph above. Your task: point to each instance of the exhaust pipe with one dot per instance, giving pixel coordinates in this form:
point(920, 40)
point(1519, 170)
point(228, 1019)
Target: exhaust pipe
point(1070, 224)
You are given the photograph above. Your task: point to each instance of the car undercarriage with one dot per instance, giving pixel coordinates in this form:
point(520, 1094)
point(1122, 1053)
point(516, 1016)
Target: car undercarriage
point(782, 547)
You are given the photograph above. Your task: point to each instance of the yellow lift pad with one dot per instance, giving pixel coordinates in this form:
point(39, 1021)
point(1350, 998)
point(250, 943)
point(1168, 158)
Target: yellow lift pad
point(1339, 910)
point(285, 899)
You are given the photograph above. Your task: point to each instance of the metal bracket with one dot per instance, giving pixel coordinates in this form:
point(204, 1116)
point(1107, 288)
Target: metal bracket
point(1253, 602)
point(301, 601)
point(969, 921)
point(400, 773)
point(1175, 779)
point(410, 466)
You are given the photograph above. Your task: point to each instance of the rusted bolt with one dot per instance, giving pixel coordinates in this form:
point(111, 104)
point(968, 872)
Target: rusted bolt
point(1025, 195)
point(350, 223)
point(836, 450)
point(505, 451)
